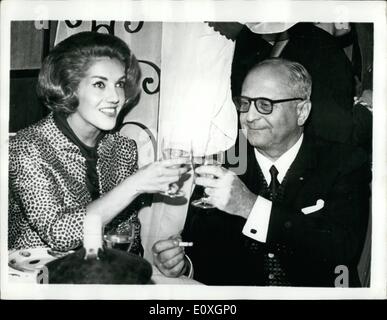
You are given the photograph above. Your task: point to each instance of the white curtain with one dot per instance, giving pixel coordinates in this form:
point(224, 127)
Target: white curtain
point(193, 106)
point(195, 98)
point(196, 107)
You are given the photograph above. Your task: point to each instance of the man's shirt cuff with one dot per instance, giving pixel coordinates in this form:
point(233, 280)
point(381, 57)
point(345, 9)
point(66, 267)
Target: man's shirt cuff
point(189, 272)
point(257, 223)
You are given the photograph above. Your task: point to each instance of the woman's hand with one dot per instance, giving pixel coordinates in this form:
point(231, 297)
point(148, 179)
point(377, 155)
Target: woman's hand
point(159, 175)
point(155, 177)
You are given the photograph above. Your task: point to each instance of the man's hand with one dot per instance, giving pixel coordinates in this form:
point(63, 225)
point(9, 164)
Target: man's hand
point(365, 99)
point(225, 190)
point(169, 258)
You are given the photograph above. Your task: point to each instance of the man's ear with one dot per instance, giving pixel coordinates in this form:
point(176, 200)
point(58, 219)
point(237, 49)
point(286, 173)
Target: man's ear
point(303, 111)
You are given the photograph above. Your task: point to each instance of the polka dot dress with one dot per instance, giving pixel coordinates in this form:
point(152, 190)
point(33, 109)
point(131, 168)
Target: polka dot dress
point(47, 186)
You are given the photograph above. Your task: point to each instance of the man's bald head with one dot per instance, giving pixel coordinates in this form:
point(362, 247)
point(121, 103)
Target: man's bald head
point(292, 73)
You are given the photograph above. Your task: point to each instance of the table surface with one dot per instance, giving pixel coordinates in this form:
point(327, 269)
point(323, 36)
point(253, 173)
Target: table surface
point(39, 257)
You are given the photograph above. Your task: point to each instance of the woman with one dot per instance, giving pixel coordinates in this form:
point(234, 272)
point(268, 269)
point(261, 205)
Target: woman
point(68, 165)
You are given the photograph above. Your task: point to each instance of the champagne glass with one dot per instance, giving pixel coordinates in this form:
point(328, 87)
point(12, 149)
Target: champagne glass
point(215, 159)
point(173, 150)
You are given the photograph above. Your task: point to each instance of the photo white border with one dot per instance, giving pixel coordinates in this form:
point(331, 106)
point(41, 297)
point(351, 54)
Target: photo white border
point(206, 10)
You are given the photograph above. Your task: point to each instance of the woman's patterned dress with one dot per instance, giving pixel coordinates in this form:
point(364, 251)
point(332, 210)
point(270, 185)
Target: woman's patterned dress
point(47, 189)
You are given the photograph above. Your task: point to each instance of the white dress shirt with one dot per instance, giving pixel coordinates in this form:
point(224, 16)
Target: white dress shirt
point(257, 224)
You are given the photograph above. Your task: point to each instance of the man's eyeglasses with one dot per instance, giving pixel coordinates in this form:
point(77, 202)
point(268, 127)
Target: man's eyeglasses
point(263, 105)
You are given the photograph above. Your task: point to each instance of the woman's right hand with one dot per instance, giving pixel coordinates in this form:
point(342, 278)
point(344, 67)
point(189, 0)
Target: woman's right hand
point(153, 178)
point(157, 176)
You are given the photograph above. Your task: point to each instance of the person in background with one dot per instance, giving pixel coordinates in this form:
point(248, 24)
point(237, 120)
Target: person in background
point(356, 40)
point(333, 116)
point(297, 216)
point(71, 164)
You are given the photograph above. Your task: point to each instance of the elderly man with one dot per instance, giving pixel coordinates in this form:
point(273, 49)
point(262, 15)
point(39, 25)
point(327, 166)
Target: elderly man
point(297, 216)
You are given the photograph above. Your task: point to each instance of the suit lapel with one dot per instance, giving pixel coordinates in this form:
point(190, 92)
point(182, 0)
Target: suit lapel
point(300, 170)
point(294, 179)
point(253, 177)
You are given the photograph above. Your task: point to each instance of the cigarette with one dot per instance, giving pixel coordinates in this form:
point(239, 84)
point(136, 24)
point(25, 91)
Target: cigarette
point(185, 244)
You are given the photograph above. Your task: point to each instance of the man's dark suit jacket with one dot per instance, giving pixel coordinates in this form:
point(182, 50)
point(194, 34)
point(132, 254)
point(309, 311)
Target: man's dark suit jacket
point(310, 246)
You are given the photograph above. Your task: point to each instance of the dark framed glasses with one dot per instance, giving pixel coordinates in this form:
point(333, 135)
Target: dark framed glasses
point(263, 105)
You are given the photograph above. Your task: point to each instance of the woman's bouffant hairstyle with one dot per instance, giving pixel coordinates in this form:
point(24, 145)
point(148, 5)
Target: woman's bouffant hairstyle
point(67, 64)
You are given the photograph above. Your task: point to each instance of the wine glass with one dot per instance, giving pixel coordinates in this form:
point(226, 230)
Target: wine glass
point(120, 238)
point(173, 150)
point(215, 159)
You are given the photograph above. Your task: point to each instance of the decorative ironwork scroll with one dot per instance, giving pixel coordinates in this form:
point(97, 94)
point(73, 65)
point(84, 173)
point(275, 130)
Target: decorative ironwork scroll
point(127, 24)
point(73, 25)
point(149, 80)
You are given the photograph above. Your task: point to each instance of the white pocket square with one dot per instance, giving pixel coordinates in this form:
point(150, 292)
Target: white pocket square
point(318, 206)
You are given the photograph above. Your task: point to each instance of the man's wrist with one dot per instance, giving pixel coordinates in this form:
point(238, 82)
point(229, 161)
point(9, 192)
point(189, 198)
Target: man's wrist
point(248, 205)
